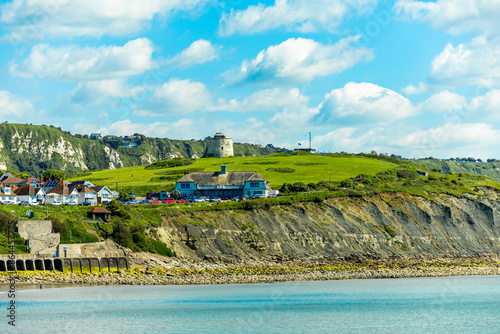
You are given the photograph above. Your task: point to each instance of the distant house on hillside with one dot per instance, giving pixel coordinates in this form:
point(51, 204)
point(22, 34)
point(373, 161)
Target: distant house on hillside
point(95, 136)
point(223, 184)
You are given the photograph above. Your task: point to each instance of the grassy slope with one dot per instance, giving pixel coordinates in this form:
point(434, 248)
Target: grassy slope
point(308, 168)
point(474, 168)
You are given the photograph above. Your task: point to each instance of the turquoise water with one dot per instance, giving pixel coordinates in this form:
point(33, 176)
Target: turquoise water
point(413, 305)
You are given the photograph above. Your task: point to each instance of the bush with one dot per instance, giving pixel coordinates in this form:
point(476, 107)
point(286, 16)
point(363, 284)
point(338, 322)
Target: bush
point(406, 174)
point(347, 183)
point(390, 231)
point(282, 170)
point(122, 235)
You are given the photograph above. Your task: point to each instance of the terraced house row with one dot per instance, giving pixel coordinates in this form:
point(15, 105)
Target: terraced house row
point(14, 190)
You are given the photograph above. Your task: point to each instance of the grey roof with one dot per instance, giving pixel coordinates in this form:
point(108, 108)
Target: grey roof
point(216, 178)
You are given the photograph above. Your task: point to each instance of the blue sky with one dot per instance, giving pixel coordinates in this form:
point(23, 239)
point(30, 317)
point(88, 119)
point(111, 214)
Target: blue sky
point(416, 78)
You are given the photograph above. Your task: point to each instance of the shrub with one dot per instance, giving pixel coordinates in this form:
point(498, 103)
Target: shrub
point(406, 174)
point(390, 231)
point(282, 170)
point(347, 183)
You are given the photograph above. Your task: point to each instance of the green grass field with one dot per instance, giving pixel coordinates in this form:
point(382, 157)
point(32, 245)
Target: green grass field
point(276, 169)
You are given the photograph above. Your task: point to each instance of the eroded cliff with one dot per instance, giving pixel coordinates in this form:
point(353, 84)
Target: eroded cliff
point(379, 227)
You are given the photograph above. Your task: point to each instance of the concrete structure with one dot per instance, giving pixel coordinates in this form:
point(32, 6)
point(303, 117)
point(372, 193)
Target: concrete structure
point(39, 236)
point(223, 184)
point(26, 262)
point(219, 146)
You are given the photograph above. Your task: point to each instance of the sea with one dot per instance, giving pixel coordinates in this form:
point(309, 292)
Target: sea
point(466, 304)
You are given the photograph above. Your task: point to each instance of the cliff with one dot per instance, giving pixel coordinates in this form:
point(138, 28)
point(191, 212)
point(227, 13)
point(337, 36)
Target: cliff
point(32, 149)
point(375, 227)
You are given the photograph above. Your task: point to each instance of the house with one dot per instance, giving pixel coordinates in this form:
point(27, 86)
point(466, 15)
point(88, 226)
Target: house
point(5, 176)
point(12, 181)
point(51, 184)
point(95, 135)
point(7, 194)
point(32, 181)
point(99, 213)
point(421, 173)
point(85, 183)
point(223, 184)
point(85, 194)
point(61, 193)
point(103, 193)
point(130, 145)
point(30, 194)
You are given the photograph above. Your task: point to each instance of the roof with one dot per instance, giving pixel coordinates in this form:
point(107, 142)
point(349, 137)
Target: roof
point(220, 135)
point(216, 178)
point(26, 189)
point(83, 189)
point(53, 183)
point(98, 210)
point(6, 175)
point(13, 180)
point(59, 189)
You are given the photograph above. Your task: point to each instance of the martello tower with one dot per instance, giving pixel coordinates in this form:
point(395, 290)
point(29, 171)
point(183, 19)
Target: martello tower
point(219, 146)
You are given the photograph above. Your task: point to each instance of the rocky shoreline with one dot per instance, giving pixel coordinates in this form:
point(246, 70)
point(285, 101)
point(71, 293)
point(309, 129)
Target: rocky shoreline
point(171, 271)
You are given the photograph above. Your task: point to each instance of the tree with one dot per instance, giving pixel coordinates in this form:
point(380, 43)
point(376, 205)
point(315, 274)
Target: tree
point(52, 174)
point(175, 194)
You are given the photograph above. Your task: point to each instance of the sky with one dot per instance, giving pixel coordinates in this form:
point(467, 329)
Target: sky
point(413, 78)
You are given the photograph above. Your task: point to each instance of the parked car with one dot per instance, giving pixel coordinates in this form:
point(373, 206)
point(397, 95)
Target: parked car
point(258, 196)
point(144, 201)
point(181, 200)
point(56, 203)
point(34, 203)
point(155, 202)
point(24, 203)
point(215, 199)
point(135, 201)
point(199, 200)
point(71, 203)
point(85, 204)
point(168, 200)
point(106, 202)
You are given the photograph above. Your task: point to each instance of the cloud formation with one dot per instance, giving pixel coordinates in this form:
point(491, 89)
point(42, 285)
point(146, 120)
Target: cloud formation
point(474, 63)
point(292, 15)
point(12, 105)
point(199, 52)
point(34, 19)
point(299, 60)
point(75, 63)
point(454, 17)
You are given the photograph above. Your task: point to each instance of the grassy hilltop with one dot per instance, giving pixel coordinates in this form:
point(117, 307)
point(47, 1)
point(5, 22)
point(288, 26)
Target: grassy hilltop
point(277, 169)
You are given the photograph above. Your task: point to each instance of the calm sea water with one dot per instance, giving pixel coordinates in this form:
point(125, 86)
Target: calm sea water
point(412, 305)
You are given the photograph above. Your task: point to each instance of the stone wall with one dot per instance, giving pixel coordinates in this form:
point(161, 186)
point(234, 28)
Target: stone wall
point(30, 228)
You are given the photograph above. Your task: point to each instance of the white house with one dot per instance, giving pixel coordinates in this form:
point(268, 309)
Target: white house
point(61, 193)
point(103, 193)
point(7, 195)
point(85, 194)
point(30, 194)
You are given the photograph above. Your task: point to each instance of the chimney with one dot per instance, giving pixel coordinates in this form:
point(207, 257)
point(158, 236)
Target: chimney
point(223, 169)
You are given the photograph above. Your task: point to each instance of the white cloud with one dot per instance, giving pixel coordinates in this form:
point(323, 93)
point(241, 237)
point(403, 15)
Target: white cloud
point(180, 97)
point(265, 100)
point(452, 16)
point(29, 19)
point(474, 63)
point(101, 91)
point(413, 90)
point(12, 105)
point(293, 15)
point(364, 103)
point(88, 63)
point(199, 52)
point(443, 101)
point(486, 107)
point(299, 60)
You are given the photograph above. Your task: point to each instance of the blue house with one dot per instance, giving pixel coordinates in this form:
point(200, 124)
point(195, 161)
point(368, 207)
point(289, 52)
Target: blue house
point(223, 184)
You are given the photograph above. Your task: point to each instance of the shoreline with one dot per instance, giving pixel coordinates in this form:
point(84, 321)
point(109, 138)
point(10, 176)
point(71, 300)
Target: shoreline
point(190, 272)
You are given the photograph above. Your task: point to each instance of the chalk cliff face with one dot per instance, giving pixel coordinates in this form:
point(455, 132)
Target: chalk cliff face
point(381, 226)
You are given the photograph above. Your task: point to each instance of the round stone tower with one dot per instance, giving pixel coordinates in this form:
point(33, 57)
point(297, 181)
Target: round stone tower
point(219, 146)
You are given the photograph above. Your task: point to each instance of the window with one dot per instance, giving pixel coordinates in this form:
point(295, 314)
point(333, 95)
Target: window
point(254, 184)
point(185, 186)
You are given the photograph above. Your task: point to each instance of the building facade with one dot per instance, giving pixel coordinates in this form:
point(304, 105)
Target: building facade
point(223, 184)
